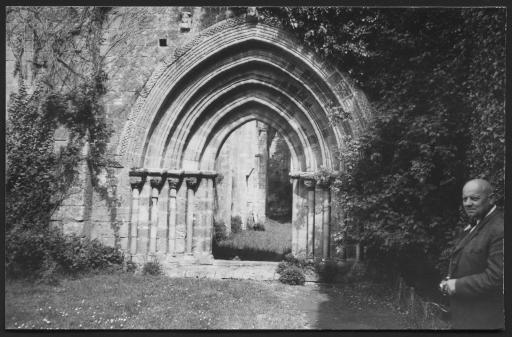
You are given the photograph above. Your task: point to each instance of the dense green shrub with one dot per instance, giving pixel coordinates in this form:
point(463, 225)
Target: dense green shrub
point(435, 81)
point(236, 224)
point(26, 252)
point(152, 268)
point(281, 266)
point(40, 253)
point(79, 254)
point(292, 275)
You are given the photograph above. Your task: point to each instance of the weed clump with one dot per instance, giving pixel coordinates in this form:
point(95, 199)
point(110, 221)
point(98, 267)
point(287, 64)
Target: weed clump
point(153, 268)
point(292, 270)
point(293, 275)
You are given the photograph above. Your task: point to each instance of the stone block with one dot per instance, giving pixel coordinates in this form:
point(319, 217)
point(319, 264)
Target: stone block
point(72, 213)
point(72, 227)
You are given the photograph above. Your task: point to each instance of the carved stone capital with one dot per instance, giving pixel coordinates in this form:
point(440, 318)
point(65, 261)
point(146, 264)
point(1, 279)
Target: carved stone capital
point(173, 182)
point(136, 182)
point(309, 183)
point(192, 182)
point(155, 181)
point(324, 183)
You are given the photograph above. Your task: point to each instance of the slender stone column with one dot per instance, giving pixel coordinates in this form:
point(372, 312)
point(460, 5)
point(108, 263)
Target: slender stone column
point(136, 184)
point(261, 202)
point(326, 221)
point(299, 218)
point(192, 183)
point(310, 185)
point(163, 217)
point(209, 195)
point(295, 229)
point(153, 215)
point(173, 187)
point(143, 230)
point(318, 230)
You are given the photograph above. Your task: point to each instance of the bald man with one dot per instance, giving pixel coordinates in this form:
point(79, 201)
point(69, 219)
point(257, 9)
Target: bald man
point(475, 278)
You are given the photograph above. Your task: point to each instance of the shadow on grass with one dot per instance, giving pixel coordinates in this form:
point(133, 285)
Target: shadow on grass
point(363, 302)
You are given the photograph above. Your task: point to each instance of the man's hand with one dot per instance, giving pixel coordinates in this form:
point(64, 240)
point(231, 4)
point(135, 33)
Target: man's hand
point(447, 286)
point(450, 286)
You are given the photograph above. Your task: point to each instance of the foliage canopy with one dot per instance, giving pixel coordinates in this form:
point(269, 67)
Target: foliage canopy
point(436, 82)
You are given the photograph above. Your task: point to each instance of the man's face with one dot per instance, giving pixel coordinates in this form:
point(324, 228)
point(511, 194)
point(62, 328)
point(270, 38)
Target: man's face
point(476, 200)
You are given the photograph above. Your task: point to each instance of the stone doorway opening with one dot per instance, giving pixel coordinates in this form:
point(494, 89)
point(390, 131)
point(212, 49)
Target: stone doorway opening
point(253, 196)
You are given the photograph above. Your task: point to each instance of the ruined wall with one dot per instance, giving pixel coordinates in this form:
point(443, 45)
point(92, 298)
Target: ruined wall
point(136, 39)
point(139, 39)
point(284, 84)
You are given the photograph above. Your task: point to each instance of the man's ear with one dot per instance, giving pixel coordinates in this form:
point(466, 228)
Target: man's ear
point(492, 198)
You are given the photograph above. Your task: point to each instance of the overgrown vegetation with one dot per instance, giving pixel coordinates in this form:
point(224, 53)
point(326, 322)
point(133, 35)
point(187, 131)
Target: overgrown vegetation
point(436, 82)
point(152, 268)
point(48, 254)
point(67, 83)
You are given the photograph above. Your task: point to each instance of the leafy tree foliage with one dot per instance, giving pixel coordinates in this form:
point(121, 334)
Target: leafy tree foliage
point(435, 79)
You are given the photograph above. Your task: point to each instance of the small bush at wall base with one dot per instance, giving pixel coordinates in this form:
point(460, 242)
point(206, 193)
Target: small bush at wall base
point(152, 268)
point(42, 253)
point(292, 275)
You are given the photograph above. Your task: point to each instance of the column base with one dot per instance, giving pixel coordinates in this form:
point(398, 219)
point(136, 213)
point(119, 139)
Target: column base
point(204, 259)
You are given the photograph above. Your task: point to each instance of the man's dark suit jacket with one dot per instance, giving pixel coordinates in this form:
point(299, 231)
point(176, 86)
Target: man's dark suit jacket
point(477, 264)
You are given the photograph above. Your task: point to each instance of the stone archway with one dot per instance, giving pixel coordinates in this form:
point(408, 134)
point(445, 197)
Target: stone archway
point(235, 71)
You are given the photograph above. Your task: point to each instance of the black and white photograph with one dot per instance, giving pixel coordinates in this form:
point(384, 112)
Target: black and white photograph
point(255, 168)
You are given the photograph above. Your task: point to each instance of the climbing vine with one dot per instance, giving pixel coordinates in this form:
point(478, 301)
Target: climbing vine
point(57, 52)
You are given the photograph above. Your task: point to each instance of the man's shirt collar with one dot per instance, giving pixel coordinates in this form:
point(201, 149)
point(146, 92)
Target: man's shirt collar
point(471, 228)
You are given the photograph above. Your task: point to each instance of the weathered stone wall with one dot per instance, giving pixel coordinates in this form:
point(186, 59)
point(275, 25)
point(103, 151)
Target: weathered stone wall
point(172, 98)
point(134, 36)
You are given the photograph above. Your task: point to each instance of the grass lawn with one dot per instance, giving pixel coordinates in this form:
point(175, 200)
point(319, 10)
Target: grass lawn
point(126, 301)
point(268, 245)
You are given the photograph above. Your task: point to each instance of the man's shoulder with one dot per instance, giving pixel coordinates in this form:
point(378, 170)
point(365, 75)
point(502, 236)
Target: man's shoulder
point(496, 221)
